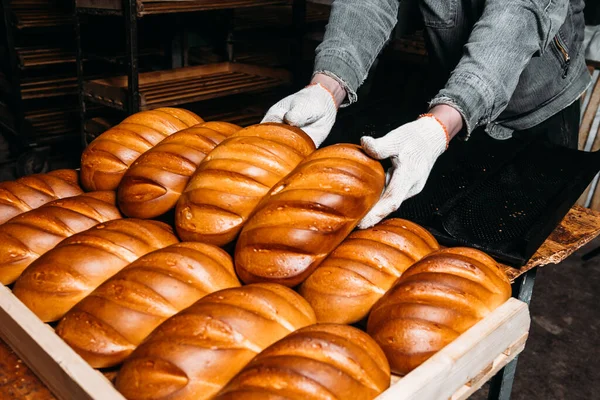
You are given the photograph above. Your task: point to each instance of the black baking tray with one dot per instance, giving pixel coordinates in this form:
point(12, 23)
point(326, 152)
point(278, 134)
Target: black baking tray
point(504, 197)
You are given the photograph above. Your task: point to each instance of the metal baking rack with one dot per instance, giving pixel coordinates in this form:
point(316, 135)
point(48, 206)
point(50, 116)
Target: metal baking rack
point(179, 84)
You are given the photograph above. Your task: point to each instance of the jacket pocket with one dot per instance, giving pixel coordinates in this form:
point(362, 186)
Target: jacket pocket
point(561, 50)
point(439, 14)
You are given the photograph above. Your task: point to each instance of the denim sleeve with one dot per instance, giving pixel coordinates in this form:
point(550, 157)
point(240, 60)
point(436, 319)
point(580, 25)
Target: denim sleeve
point(356, 33)
point(503, 41)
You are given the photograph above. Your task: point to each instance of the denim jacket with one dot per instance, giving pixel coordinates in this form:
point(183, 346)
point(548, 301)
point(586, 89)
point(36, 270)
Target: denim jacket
point(508, 64)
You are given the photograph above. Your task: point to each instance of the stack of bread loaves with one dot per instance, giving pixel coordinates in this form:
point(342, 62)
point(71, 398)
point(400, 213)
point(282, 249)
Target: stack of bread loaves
point(175, 318)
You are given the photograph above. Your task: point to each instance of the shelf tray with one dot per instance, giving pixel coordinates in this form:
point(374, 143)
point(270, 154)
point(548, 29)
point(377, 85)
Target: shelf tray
point(186, 85)
point(280, 16)
point(148, 7)
point(35, 57)
point(53, 121)
point(48, 87)
point(38, 14)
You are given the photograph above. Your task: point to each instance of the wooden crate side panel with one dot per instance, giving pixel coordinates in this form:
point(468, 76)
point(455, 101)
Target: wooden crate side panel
point(61, 369)
point(460, 362)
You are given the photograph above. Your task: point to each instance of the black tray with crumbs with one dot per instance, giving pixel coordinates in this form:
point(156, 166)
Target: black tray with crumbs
point(503, 197)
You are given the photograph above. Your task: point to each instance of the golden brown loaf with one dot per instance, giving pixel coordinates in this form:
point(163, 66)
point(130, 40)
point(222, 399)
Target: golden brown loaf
point(225, 128)
point(26, 237)
point(106, 326)
point(234, 177)
point(433, 302)
point(32, 191)
point(59, 279)
point(153, 184)
point(327, 361)
point(361, 269)
point(106, 159)
point(307, 215)
point(192, 355)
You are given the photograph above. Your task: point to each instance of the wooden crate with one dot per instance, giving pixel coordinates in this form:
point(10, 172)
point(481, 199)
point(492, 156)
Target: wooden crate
point(453, 373)
point(186, 85)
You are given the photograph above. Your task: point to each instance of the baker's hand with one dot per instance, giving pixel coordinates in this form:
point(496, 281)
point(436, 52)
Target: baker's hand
point(413, 149)
point(312, 109)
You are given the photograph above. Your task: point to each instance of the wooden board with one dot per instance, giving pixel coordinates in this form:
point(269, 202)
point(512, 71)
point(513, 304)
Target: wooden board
point(578, 228)
point(48, 87)
point(148, 7)
point(36, 14)
point(62, 370)
point(36, 56)
point(187, 85)
point(463, 366)
point(482, 348)
point(589, 139)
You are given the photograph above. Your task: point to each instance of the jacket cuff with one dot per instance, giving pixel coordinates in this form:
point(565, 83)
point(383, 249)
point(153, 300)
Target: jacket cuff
point(471, 97)
point(339, 66)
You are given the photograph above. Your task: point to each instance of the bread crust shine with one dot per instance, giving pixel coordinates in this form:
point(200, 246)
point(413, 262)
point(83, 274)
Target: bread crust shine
point(59, 279)
point(363, 267)
point(325, 361)
point(433, 302)
point(307, 215)
point(107, 325)
point(26, 237)
point(155, 181)
point(192, 355)
point(107, 158)
point(30, 192)
point(234, 177)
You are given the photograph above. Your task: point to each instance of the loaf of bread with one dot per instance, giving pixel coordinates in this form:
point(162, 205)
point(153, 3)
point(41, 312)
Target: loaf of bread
point(327, 361)
point(106, 326)
point(32, 191)
point(361, 269)
point(307, 215)
point(234, 177)
point(153, 184)
point(225, 128)
point(192, 355)
point(106, 159)
point(63, 276)
point(433, 302)
point(27, 236)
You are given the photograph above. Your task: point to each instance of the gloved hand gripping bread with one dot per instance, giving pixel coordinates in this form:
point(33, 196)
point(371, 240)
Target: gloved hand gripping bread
point(106, 326)
point(33, 191)
point(361, 269)
point(326, 361)
point(234, 177)
point(59, 279)
point(433, 302)
point(26, 237)
point(106, 159)
point(307, 215)
point(193, 354)
point(153, 184)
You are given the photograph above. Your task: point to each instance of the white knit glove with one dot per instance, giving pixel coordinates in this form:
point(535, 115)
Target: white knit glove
point(413, 149)
point(312, 109)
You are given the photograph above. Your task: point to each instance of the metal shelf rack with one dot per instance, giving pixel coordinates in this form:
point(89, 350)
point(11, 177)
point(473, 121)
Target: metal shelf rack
point(41, 71)
point(136, 91)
